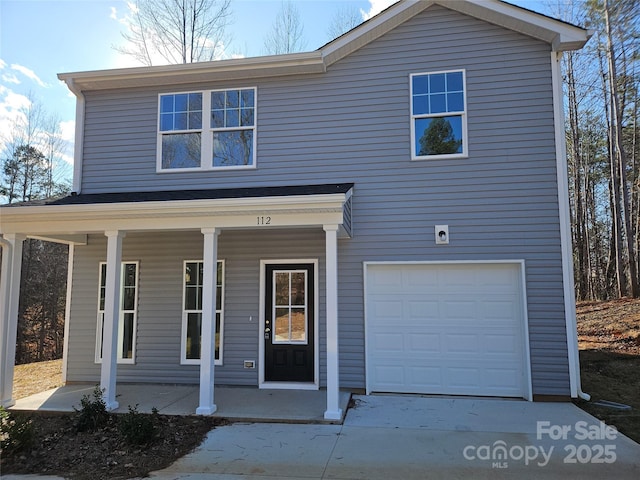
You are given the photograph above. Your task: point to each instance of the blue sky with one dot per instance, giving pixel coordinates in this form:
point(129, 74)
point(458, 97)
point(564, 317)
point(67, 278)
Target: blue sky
point(41, 38)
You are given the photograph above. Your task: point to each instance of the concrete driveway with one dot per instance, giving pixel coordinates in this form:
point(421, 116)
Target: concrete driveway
point(411, 437)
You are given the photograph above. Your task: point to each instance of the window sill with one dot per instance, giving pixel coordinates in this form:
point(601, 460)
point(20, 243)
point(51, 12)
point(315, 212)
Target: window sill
point(217, 363)
point(439, 157)
point(203, 169)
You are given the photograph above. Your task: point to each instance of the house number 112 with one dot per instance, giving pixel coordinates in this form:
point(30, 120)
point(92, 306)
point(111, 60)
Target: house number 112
point(264, 220)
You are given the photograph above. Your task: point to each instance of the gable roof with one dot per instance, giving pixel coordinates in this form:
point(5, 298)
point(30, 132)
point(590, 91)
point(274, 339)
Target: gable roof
point(560, 35)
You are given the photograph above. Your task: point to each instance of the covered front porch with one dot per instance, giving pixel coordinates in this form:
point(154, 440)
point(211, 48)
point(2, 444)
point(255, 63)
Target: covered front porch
point(246, 404)
point(117, 218)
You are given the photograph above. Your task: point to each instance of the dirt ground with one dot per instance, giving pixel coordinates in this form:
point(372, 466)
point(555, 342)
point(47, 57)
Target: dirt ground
point(609, 338)
point(59, 449)
point(36, 377)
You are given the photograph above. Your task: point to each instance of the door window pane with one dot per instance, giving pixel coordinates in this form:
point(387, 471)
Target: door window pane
point(282, 288)
point(281, 325)
point(298, 325)
point(298, 281)
point(289, 306)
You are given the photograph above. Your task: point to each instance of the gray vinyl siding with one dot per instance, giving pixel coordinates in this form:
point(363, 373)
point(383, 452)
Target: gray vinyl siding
point(161, 259)
point(351, 124)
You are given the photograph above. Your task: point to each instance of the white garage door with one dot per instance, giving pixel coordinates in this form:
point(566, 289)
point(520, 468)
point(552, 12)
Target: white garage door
point(455, 329)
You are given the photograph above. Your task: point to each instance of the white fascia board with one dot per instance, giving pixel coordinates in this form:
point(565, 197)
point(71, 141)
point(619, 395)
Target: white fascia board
point(373, 29)
point(289, 211)
point(218, 70)
point(561, 35)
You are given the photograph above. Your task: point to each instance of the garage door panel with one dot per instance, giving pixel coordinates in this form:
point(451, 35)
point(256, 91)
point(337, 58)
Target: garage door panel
point(423, 343)
point(445, 329)
point(392, 376)
point(496, 344)
point(459, 309)
point(461, 343)
point(417, 311)
point(462, 378)
point(425, 377)
point(418, 278)
point(389, 342)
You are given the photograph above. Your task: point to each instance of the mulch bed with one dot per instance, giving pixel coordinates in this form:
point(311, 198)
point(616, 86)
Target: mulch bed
point(59, 449)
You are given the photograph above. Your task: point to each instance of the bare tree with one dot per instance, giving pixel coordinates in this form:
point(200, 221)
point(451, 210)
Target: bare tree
point(286, 35)
point(618, 150)
point(177, 31)
point(343, 20)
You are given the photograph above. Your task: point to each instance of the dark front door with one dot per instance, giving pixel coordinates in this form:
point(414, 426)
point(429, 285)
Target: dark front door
point(288, 329)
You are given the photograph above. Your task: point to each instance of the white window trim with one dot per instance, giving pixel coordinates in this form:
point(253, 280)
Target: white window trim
point(100, 317)
point(463, 114)
point(219, 309)
point(206, 134)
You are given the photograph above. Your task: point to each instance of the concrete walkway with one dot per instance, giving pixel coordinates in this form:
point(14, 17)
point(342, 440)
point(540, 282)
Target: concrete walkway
point(247, 404)
point(407, 437)
point(412, 437)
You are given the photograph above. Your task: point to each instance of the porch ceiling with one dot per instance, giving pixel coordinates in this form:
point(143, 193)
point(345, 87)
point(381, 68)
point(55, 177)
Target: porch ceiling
point(267, 207)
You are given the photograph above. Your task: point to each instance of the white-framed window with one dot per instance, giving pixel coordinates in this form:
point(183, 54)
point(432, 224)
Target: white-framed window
point(191, 339)
point(128, 316)
point(206, 130)
point(438, 115)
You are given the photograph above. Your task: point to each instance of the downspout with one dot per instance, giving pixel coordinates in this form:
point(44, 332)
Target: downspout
point(79, 136)
point(565, 231)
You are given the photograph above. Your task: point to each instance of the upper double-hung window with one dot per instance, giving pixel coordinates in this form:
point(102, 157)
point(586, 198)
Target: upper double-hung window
point(207, 130)
point(438, 115)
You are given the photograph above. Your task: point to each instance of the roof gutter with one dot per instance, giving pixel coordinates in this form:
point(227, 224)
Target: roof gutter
point(79, 134)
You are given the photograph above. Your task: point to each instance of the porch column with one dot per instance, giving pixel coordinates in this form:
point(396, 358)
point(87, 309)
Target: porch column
point(333, 412)
point(208, 338)
point(111, 318)
point(9, 300)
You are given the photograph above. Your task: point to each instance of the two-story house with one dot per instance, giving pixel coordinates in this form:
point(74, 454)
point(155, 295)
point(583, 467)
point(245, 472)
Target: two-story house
point(388, 213)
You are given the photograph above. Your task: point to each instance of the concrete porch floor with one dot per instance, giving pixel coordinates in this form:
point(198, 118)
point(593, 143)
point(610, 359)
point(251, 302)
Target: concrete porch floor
point(249, 404)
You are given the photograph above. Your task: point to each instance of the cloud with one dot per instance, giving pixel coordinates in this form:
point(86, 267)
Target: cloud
point(375, 7)
point(68, 130)
point(12, 105)
point(27, 72)
point(2, 64)
point(11, 101)
point(10, 78)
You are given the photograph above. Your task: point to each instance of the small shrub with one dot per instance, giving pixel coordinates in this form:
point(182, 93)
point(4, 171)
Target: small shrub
point(137, 428)
point(16, 432)
point(92, 414)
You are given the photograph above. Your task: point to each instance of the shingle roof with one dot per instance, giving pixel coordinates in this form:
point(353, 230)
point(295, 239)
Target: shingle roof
point(210, 194)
